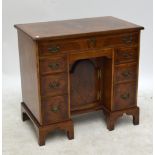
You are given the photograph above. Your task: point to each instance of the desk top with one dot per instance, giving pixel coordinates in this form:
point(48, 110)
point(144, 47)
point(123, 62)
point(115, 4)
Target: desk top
point(76, 27)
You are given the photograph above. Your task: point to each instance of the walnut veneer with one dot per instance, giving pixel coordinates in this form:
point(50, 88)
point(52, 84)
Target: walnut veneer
point(77, 66)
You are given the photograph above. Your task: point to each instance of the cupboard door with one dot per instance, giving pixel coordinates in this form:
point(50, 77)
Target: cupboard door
point(84, 83)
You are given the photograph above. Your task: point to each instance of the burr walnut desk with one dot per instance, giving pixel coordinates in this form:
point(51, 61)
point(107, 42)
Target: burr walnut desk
point(78, 66)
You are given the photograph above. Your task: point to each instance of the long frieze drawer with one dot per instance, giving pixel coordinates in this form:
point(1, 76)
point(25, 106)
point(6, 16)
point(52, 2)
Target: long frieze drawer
point(55, 109)
point(124, 55)
point(86, 43)
point(53, 65)
point(125, 72)
point(124, 96)
point(54, 84)
point(74, 45)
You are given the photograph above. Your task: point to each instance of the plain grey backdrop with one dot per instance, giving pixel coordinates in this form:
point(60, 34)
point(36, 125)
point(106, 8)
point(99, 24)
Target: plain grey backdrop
point(17, 11)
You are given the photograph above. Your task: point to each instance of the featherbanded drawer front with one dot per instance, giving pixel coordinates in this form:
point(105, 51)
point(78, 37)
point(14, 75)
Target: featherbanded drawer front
point(124, 96)
point(65, 46)
point(55, 109)
point(52, 65)
point(52, 85)
point(125, 73)
point(57, 47)
point(124, 55)
point(78, 66)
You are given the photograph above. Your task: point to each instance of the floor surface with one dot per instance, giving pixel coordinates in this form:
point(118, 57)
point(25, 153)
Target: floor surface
point(91, 135)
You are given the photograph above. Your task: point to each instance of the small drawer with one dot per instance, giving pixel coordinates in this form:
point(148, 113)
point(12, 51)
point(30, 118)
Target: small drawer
point(124, 55)
point(118, 40)
point(125, 72)
point(55, 109)
point(124, 96)
point(129, 39)
point(54, 84)
point(53, 65)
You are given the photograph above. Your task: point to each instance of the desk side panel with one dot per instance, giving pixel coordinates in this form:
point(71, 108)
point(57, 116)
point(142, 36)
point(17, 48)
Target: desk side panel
point(29, 74)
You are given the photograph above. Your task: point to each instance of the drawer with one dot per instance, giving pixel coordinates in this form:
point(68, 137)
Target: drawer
point(125, 72)
point(55, 109)
point(64, 46)
point(85, 43)
point(54, 84)
point(124, 40)
point(123, 55)
point(60, 47)
point(124, 96)
point(53, 65)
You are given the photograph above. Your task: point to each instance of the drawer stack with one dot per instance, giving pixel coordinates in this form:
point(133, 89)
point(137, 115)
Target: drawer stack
point(125, 78)
point(54, 86)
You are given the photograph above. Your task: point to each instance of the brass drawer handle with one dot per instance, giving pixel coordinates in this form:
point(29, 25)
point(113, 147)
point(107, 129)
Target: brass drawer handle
point(125, 96)
point(127, 39)
point(54, 49)
point(126, 55)
point(54, 85)
point(92, 42)
point(126, 73)
point(54, 65)
point(55, 109)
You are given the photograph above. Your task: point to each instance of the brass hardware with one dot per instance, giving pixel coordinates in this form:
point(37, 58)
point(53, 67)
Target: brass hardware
point(54, 65)
point(54, 49)
point(126, 55)
point(126, 73)
point(54, 85)
point(55, 109)
point(127, 39)
point(98, 95)
point(92, 42)
point(99, 73)
point(125, 96)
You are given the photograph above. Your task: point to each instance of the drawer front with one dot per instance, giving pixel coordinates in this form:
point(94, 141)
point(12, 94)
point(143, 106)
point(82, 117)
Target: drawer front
point(54, 84)
point(59, 47)
point(127, 40)
point(53, 65)
point(55, 109)
point(86, 43)
point(125, 72)
point(124, 96)
point(126, 55)
point(64, 46)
